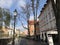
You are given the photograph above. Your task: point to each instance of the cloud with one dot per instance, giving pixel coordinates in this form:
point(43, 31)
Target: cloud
point(31, 18)
point(6, 3)
point(21, 3)
point(20, 27)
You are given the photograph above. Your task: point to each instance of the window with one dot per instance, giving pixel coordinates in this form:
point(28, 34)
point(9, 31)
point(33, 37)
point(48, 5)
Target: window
point(46, 19)
point(51, 23)
point(46, 26)
point(49, 15)
point(54, 24)
point(53, 14)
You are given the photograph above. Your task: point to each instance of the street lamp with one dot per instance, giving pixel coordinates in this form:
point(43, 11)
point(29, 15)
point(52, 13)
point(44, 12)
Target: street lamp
point(15, 14)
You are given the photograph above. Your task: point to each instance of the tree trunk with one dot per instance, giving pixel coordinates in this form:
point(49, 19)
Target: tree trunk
point(28, 29)
point(34, 25)
point(35, 28)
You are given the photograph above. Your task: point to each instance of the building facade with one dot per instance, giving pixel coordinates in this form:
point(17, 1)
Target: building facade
point(37, 31)
point(31, 27)
point(17, 32)
point(47, 22)
point(10, 32)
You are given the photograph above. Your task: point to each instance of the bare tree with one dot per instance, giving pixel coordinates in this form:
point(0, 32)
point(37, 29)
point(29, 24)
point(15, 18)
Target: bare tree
point(31, 6)
point(35, 5)
point(5, 16)
point(26, 16)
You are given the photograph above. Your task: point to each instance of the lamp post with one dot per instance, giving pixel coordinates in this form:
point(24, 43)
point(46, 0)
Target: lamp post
point(15, 14)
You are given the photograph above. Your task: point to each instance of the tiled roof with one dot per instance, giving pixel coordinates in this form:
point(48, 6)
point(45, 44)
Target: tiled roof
point(31, 22)
point(44, 7)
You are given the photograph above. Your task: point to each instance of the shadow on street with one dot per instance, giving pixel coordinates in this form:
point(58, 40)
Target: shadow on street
point(24, 41)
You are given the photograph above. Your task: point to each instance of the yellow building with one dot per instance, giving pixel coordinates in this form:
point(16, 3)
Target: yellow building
point(17, 32)
point(4, 32)
point(31, 27)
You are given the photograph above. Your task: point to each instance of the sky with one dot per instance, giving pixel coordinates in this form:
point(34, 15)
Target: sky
point(15, 4)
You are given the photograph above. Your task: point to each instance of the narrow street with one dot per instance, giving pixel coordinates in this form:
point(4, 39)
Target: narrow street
point(23, 41)
point(29, 22)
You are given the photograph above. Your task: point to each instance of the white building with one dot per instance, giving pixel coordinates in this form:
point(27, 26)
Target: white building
point(10, 32)
point(47, 21)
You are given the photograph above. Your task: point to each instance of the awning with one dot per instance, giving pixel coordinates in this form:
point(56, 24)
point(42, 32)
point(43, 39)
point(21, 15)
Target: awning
point(52, 32)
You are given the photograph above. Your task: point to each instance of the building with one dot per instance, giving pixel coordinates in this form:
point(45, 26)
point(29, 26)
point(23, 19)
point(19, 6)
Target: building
point(7, 31)
point(10, 32)
point(3, 29)
point(47, 22)
point(31, 27)
point(4, 32)
point(17, 32)
point(26, 32)
point(37, 31)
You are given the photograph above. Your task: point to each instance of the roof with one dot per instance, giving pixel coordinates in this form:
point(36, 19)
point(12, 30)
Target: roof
point(44, 7)
point(31, 22)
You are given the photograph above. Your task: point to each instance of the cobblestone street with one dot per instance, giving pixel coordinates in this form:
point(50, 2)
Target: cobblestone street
point(24, 41)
